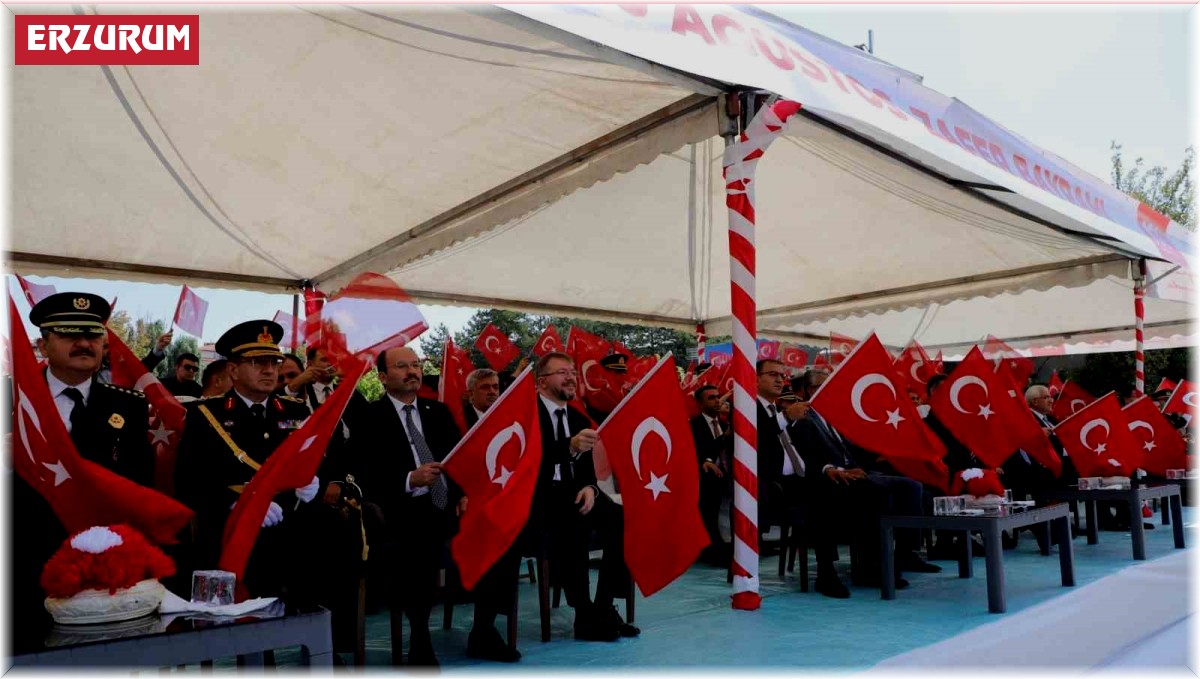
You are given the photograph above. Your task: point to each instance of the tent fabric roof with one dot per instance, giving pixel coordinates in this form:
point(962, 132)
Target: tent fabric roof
point(483, 157)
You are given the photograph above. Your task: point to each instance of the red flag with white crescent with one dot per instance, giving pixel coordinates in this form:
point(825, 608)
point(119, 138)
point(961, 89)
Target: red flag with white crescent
point(452, 385)
point(1098, 439)
point(866, 402)
point(496, 464)
point(647, 443)
point(1056, 384)
point(1070, 400)
point(497, 349)
point(35, 292)
point(1005, 357)
point(794, 357)
point(840, 347)
point(190, 312)
point(1163, 446)
point(548, 341)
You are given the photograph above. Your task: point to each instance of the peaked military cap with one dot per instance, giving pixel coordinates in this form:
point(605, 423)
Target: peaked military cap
point(251, 339)
point(71, 313)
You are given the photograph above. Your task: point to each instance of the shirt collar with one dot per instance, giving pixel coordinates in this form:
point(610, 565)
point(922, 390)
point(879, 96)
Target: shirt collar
point(57, 386)
point(478, 412)
point(250, 403)
point(400, 405)
point(766, 404)
point(551, 406)
point(710, 420)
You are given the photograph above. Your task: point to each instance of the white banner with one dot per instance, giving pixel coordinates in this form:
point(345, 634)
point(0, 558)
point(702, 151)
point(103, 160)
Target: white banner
point(750, 47)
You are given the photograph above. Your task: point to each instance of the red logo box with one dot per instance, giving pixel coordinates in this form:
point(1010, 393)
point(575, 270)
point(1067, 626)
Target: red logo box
point(117, 40)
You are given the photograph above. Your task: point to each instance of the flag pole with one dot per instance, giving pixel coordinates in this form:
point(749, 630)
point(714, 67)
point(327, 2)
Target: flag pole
point(295, 321)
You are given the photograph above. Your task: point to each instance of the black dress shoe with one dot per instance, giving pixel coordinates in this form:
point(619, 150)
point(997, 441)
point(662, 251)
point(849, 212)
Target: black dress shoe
point(623, 628)
point(594, 626)
point(873, 581)
point(488, 645)
point(831, 586)
point(915, 564)
point(1007, 541)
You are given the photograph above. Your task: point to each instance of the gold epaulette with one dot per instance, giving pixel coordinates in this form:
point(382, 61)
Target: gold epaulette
point(122, 389)
point(240, 454)
point(293, 399)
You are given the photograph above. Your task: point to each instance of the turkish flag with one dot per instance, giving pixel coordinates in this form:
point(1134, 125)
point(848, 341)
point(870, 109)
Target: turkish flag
point(81, 493)
point(840, 347)
point(768, 350)
point(1002, 355)
point(291, 466)
point(794, 357)
point(293, 330)
point(593, 378)
point(496, 464)
point(452, 386)
point(190, 312)
point(167, 415)
point(584, 341)
point(647, 443)
point(931, 472)
point(1098, 439)
point(497, 349)
point(314, 302)
point(1056, 384)
point(719, 360)
point(1163, 446)
point(1182, 401)
point(939, 366)
point(1070, 400)
point(865, 401)
point(969, 406)
point(914, 367)
point(548, 341)
point(1165, 384)
point(638, 367)
point(368, 316)
point(34, 292)
point(1026, 430)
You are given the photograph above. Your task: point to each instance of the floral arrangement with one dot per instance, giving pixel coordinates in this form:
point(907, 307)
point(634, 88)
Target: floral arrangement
point(977, 482)
point(103, 558)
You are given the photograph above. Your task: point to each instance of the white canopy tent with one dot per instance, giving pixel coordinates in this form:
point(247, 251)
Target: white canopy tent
point(566, 160)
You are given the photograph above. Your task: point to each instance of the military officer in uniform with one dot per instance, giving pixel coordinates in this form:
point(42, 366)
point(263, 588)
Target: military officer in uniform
point(108, 425)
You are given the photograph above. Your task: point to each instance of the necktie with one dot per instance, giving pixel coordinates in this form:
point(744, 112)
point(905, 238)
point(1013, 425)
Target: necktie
point(847, 461)
point(786, 442)
point(560, 433)
point(437, 491)
point(259, 411)
point(77, 411)
point(322, 393)
point(716, 430)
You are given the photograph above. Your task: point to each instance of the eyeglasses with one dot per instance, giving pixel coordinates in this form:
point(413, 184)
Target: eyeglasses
point(190, 368)
point(564, 372)
point(773, 373)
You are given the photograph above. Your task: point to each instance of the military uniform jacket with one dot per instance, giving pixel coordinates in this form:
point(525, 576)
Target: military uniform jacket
point(114, 432)
point(209, 476)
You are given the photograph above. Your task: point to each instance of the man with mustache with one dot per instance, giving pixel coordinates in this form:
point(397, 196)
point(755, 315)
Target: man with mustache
point(568, 506)
point(399, 449)
point(108, 425)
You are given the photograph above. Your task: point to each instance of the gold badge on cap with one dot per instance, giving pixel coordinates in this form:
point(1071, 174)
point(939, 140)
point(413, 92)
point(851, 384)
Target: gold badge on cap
point(116, 421)
point(82, 303)
point(265, 337)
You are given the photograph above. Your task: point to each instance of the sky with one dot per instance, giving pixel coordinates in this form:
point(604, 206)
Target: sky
point(1068, 79)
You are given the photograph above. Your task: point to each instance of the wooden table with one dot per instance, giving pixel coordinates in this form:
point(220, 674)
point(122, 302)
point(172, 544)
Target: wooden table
point(1133, 497)
point(1057, 516)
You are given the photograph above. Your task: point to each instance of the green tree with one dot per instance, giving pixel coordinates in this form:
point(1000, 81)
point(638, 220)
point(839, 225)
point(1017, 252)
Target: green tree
point(1168, 192)
point(1114, 371)
point(139, 335)
point(181, 345)
point(370, 386)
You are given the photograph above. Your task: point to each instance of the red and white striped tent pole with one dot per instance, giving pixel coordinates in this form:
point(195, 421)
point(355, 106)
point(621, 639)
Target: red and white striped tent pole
point(700, 340)
point(1139, 311)
point(741, 159)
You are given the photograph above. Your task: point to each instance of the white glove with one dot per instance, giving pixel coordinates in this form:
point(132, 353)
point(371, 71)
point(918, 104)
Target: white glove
point(274, 515)
point(307, 493)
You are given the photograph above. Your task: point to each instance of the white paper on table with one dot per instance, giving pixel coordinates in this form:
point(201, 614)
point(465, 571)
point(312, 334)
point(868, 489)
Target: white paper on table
point(174, 604)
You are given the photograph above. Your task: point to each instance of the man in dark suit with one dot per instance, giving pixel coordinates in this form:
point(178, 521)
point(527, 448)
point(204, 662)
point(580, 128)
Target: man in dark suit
point(840, 479)
point(568, 506)
point(226, 441)
point(784, 476)
point(714, 448)
point(108, 425)
point(483, 388)
point(183, 381)
point(400, 449)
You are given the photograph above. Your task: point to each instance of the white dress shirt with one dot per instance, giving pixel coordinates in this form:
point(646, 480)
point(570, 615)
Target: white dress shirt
point(399, 406)
point(64, 403)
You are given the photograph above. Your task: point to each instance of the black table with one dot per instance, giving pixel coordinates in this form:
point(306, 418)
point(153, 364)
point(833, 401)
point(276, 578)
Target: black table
point(1133, 497)
point(991, 526)
point(163, 641)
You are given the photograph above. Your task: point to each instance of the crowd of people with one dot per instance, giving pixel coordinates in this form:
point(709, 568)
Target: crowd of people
point(380, 506)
